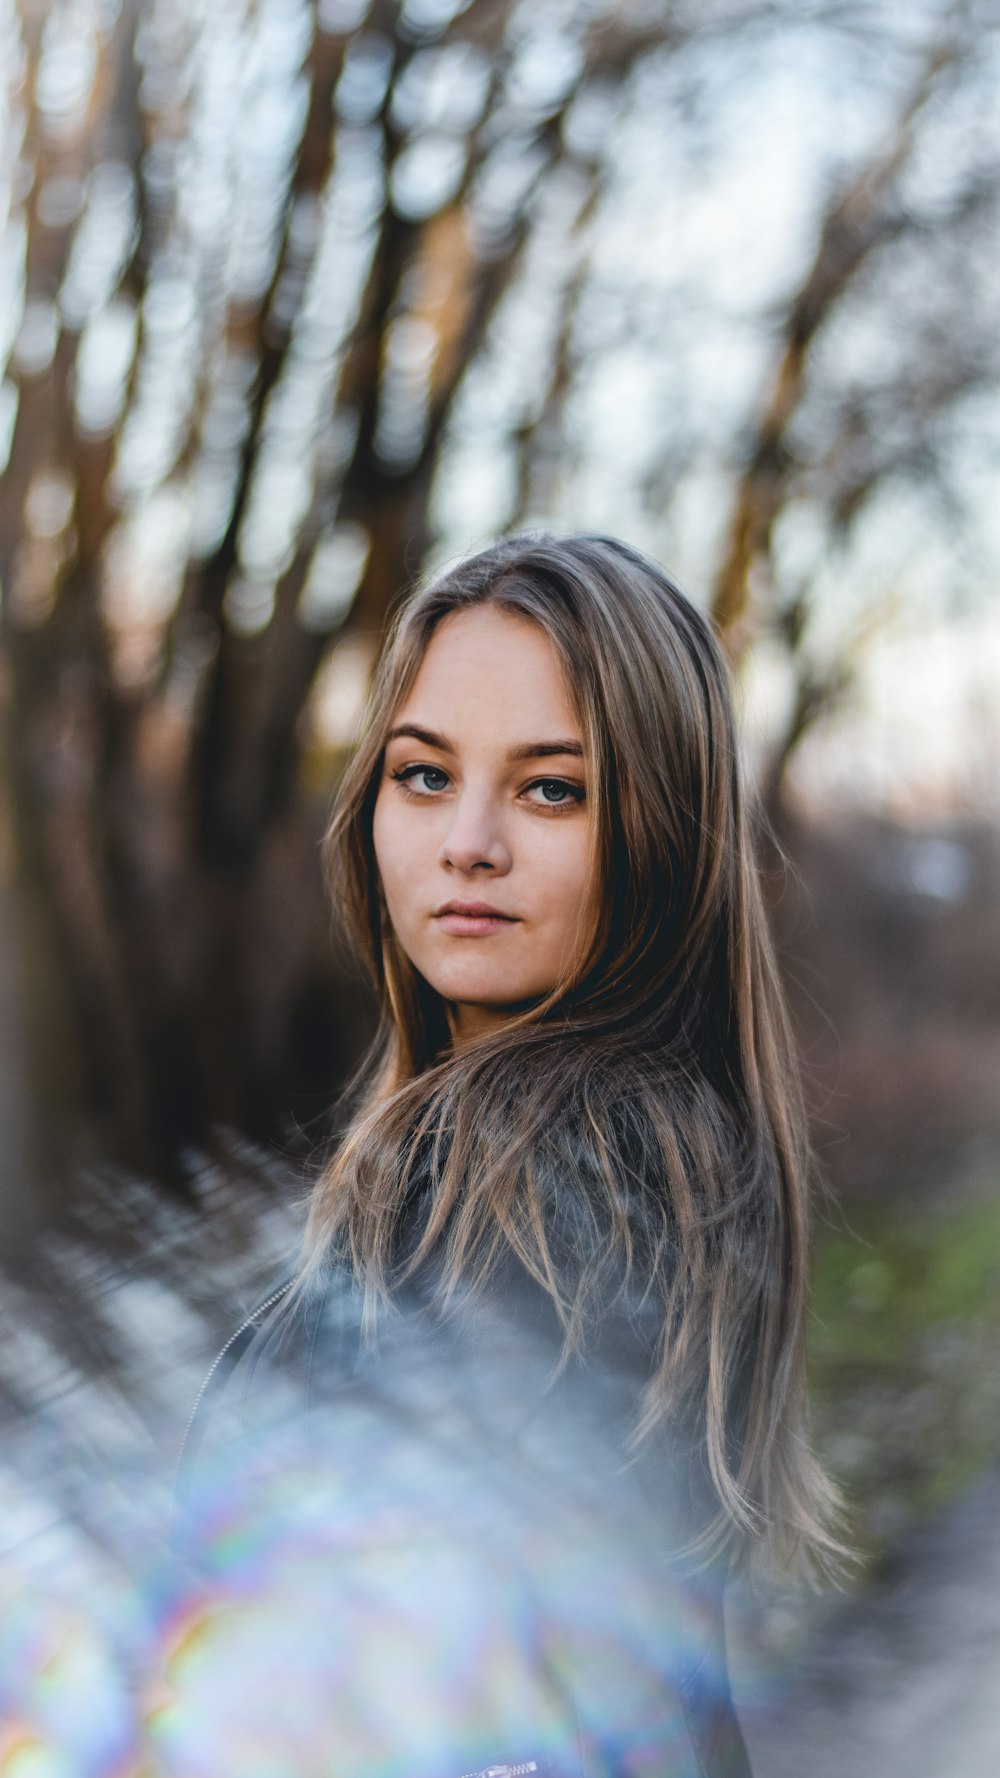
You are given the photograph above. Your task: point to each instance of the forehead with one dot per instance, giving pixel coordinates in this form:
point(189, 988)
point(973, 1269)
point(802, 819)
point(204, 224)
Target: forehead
point(485, 668)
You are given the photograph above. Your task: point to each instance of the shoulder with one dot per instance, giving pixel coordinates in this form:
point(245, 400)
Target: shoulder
point(259, 1376)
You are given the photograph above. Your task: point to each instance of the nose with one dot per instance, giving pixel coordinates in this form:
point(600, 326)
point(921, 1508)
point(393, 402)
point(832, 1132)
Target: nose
point(475, 839)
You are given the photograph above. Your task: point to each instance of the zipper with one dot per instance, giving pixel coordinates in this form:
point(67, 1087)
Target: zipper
point(515, 1771)
point(218, 1360)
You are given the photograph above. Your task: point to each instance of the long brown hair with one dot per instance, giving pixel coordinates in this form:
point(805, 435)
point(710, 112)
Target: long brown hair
point(662, 1075)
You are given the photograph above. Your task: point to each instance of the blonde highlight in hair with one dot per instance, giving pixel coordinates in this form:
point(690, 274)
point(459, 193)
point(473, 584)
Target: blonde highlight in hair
point(656, 1090)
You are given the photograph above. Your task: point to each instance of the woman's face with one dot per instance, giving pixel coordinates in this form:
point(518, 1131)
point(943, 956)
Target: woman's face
point(482, 827)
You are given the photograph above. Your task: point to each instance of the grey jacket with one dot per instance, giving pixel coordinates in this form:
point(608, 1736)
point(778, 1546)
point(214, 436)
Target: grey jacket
point(460, 1563)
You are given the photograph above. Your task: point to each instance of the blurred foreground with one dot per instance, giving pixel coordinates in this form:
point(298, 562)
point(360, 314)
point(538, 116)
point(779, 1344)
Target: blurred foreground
point(106, 1341)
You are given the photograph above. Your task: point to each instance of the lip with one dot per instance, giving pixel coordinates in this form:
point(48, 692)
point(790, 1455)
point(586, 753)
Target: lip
point(474, 909)
point(472, 919)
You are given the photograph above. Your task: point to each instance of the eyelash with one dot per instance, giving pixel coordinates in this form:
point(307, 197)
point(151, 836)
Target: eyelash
point(576, 792)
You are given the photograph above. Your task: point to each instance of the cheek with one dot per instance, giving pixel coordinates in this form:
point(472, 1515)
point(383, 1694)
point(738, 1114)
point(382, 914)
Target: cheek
point(389, 845)
point(405, 847)
point(567, 875)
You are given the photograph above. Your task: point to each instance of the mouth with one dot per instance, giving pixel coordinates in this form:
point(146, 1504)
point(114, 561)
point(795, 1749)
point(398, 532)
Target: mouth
point(472, 919)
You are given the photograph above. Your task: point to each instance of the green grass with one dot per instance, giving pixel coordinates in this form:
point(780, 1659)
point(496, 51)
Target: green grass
point(904, 1343)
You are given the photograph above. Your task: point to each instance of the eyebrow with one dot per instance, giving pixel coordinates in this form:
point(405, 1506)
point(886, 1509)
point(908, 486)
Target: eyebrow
point(528, 750)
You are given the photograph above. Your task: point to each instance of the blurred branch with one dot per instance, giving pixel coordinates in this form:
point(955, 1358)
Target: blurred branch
point(860, 219)
point(817, 689)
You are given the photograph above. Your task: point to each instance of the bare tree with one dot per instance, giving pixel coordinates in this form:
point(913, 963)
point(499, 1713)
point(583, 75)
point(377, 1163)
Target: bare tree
point(263, 262)
point(260, 247)
point(903, 262)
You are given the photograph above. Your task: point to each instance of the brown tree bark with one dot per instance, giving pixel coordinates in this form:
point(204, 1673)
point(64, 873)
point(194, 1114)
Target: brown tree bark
point(181, 973)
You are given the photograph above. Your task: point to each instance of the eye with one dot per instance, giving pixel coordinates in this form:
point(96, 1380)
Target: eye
point(556, 793)
point(434, 779)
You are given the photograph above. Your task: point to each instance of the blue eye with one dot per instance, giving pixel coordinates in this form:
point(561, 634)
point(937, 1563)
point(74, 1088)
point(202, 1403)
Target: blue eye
point(556, 793)
point(434, 779)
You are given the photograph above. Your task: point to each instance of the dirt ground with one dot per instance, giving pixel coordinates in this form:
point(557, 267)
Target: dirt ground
point(903, 1680)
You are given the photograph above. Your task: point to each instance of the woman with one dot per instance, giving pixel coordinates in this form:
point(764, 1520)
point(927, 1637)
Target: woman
point(572, 1189)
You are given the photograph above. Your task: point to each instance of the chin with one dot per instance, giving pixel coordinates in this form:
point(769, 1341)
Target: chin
point(491, 996)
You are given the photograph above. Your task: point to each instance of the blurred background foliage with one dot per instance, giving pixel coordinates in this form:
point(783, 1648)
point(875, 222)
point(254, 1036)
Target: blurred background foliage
point(298, 300)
